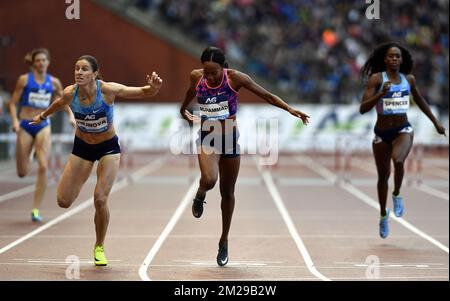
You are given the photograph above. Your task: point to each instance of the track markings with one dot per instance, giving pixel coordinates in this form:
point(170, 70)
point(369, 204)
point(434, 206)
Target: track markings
point(289, 223)
point(17, 193)
point(330, 176)
point(86, 204)
point(169, 227)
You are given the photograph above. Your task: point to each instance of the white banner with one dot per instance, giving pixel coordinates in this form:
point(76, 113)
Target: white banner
point(156, 126)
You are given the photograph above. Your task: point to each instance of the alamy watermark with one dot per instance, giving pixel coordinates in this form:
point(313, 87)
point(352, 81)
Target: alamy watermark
point(223, 137)
point(73, 270)
point(373, 267)
point(373, 10)
point(73, 10)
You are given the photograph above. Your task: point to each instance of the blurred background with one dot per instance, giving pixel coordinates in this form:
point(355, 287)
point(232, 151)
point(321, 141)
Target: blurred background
point(307, 52)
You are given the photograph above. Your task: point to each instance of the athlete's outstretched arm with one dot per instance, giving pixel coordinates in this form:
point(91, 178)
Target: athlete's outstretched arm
point(57, 105)
point(58, 93)
point(20, 85)
point(370, 97)
point(190, 94)
point(243, 80)
point(154, 83)
point(422, 104)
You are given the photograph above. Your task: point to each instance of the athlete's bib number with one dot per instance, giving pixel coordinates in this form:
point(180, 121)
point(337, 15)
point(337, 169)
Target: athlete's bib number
point(219, 110)
point(397, 105)
point(92, 123)
point(40, 100)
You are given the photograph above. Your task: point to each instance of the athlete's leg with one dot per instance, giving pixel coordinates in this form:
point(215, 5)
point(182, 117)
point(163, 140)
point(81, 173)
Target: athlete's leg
point(401, 146)
point(75, 174)
point(108, 167)
point(209, 169)
point(24, 147)
point(42, 147)
point(229, 170)
point(382, 154)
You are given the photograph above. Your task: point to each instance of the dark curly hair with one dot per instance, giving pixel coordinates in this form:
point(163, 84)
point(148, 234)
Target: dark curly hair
point(376, 64)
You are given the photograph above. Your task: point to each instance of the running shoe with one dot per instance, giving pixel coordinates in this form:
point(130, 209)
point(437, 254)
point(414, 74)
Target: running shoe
point(35, 216)
point(398, 205)
point(197, 207)
point(99, 256)
point(384, 226)
point(222, 256)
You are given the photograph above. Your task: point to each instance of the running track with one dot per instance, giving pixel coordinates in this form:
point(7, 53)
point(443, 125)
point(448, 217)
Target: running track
point(295, 221)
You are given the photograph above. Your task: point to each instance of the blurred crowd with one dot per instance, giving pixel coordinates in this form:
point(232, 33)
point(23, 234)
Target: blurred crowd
point(315, 48)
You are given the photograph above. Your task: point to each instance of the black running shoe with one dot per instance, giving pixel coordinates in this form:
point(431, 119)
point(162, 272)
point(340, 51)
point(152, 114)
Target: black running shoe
point(197, 207)
point(222, 256)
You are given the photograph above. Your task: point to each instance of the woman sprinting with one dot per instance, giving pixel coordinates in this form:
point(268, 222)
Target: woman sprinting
point(389, 88)
point(92, 101)
point(35, 91)
point(216, 88)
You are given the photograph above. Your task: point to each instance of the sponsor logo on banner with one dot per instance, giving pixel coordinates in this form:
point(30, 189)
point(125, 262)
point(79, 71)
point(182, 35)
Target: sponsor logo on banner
point(146, 127)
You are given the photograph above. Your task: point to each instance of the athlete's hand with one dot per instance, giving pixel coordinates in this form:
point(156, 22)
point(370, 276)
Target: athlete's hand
point(440, 128)
point(386, 87)
point(154, 80)
point(300, 115)
point(190, 117)
point(36, 120)
point(15, 126)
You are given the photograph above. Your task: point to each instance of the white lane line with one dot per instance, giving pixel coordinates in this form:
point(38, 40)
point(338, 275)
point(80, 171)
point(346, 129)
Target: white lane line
point(53, 259)
point(422, 187)
point(86, 204)
point(289, 223)
point(389, 263)
point(233, 264)
point(430, 190)
point(244, 279)
point(169, 227)
point(190, 236)
point(371, 202)
point(366, 199)
point(290, 267)
point(214, 263)
point(17, 193)
point(63, 261)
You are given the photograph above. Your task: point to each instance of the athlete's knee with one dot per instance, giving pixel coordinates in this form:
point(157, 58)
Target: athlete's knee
point(208, 183)
point(22, 170)
point(21, 173)
point(398, 165)
point(42, 168)
point(227, 194)
point(99, 200)
point(63, 202)
point(384, 175)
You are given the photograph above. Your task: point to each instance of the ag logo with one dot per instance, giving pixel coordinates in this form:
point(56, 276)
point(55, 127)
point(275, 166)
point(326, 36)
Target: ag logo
point(89, 117)
point(211, 100)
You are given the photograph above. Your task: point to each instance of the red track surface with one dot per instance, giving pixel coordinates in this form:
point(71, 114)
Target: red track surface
point(336, 228)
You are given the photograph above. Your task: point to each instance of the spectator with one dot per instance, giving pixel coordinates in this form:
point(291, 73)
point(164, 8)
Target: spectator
point(315, 48)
